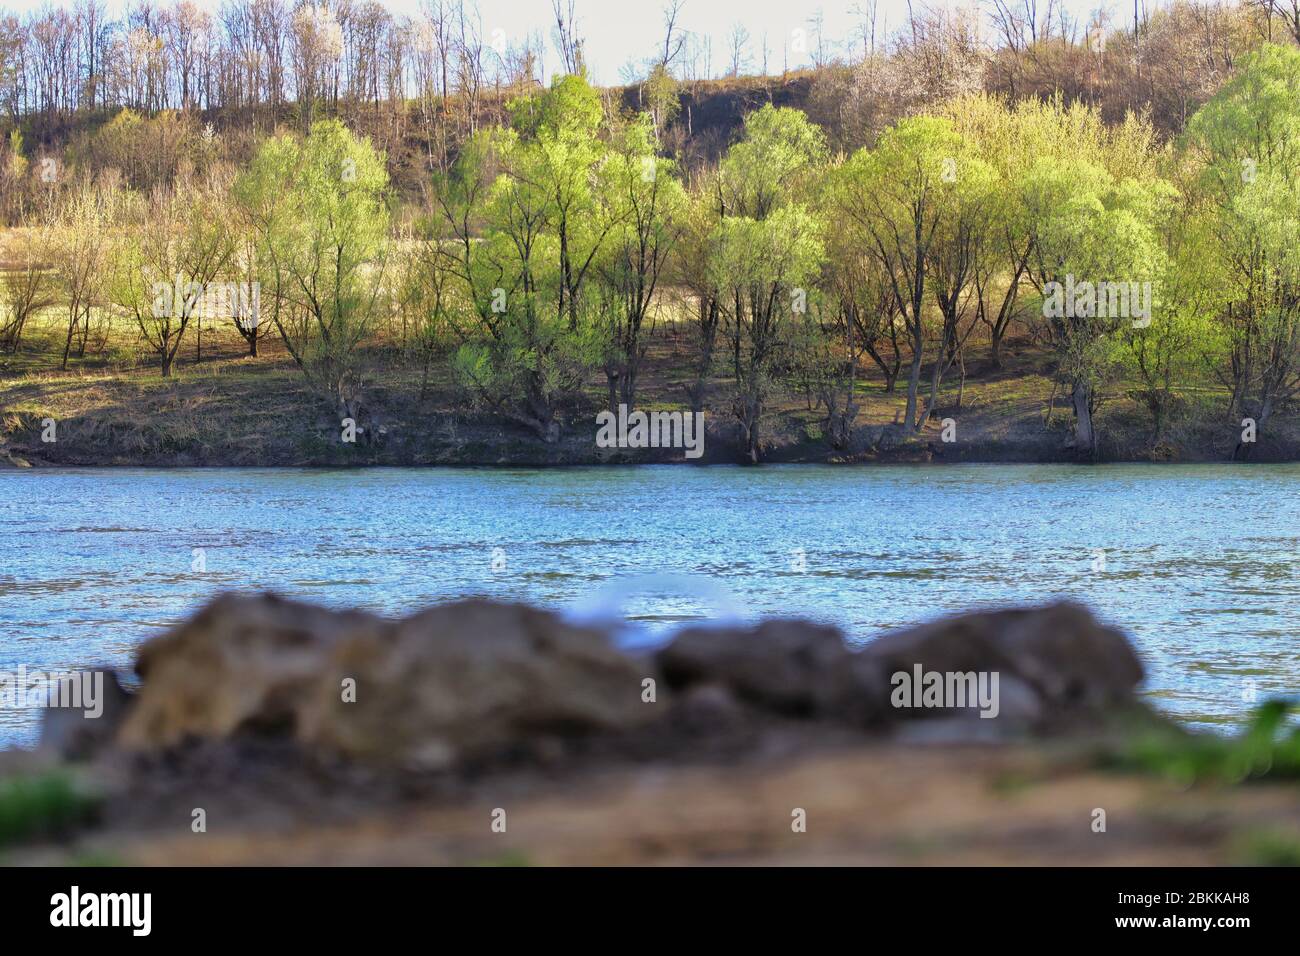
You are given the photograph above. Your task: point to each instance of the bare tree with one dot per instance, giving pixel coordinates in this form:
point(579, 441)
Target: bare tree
point(738, 48)
point(567, 40)
point(674, 38)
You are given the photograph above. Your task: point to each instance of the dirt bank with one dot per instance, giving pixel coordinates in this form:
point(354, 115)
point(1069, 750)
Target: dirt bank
point(270, 732)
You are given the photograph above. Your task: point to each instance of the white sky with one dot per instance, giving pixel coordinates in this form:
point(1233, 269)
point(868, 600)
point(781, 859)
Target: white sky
point(617, 32)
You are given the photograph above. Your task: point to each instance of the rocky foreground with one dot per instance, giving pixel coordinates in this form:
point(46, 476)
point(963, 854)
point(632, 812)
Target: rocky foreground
point(267, 731)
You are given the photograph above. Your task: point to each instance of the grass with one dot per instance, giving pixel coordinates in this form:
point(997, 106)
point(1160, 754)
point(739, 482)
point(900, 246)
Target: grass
point(1268, 749)
point(1267, 848)
point(42, 805)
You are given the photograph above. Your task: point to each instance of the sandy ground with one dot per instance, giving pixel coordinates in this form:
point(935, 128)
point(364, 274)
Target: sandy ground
point(870, 805)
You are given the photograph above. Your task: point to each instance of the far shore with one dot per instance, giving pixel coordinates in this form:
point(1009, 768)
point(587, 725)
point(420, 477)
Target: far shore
point(872, 446)
point(234, 411)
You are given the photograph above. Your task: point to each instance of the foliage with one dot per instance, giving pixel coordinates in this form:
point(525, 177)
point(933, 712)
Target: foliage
point(1267, 748)
point(547, 247)
point(41, 805)
point(319, 210)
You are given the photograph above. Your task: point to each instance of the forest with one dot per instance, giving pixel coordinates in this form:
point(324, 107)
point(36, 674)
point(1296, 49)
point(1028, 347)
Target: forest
point(329, 214)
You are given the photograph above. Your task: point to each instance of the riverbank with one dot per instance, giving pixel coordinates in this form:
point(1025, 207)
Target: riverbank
point(234, 411)
point(268, 732)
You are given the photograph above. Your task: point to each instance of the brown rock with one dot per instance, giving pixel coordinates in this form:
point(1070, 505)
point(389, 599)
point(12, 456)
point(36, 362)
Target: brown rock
point(451, 683)
point(473, 678)
point(791, 667)
point(1052, 662)
point(79, 732)
point(1060, 651)
point(243, 663)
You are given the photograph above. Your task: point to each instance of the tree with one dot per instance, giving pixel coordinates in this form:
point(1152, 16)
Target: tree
point(648, 205)
point(765, 251)
point(320, 210)
point(162, 271)
point(962, 253)
point(1183, 331)
point(519, 349)
point(78, 252)
point(1009, 141)
point(427, 294)
point(1097, 257)
point(559, 153)
point(1247, 139)
point(702, 218)
point(898, 201)
point(25, 290)
point(317, 44)
point(567, 40)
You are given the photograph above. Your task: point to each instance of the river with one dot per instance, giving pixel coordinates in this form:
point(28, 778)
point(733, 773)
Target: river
point(1197, 562)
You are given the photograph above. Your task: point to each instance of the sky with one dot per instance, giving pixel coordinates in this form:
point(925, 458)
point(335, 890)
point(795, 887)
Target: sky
point(622, 32)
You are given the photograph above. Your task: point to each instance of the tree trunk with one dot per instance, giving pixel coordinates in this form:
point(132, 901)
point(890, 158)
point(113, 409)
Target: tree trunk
point(611, 380)
point(913, 386)
point(961, 384)
point(1085, 437)
point(67, 343)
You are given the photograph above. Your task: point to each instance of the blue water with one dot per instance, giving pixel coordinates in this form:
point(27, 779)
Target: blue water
point(1197, 563)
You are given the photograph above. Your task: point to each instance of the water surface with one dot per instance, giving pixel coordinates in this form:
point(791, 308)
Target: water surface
point(1197, 563)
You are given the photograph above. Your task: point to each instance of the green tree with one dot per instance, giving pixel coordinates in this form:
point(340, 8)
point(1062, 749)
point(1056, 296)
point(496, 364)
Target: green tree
point(319, 208)
point(647, 206)
point(1183, 331)
point(766, 250)
point(914, 201)
point(560, 153)
point(521, 346)
point(1097, 261)
point(1247, 140)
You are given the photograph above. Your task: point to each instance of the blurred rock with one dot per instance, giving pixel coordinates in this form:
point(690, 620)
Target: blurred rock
point(241, 664)
point(790, 667)
point(482, 680)
point(456, 682)
point(473, 678)
point(76, 733)
point(1053, 662)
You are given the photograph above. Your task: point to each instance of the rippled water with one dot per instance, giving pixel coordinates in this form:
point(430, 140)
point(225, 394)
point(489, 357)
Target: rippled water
point(1198, 563)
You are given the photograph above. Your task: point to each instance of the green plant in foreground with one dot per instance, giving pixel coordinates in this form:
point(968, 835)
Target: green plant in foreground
point(1265, 749)
point(41, 805)
point(1268, 848)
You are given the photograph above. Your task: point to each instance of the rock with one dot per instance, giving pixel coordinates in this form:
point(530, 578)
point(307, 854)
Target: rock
point(9, 460)
point(708, 709)
point(473, 678)
point(1052, 661)
point(242, 664)
point(466, 680)
point(1053, 664)
point(78, 732)
point(790, 667)
point(480, 680)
